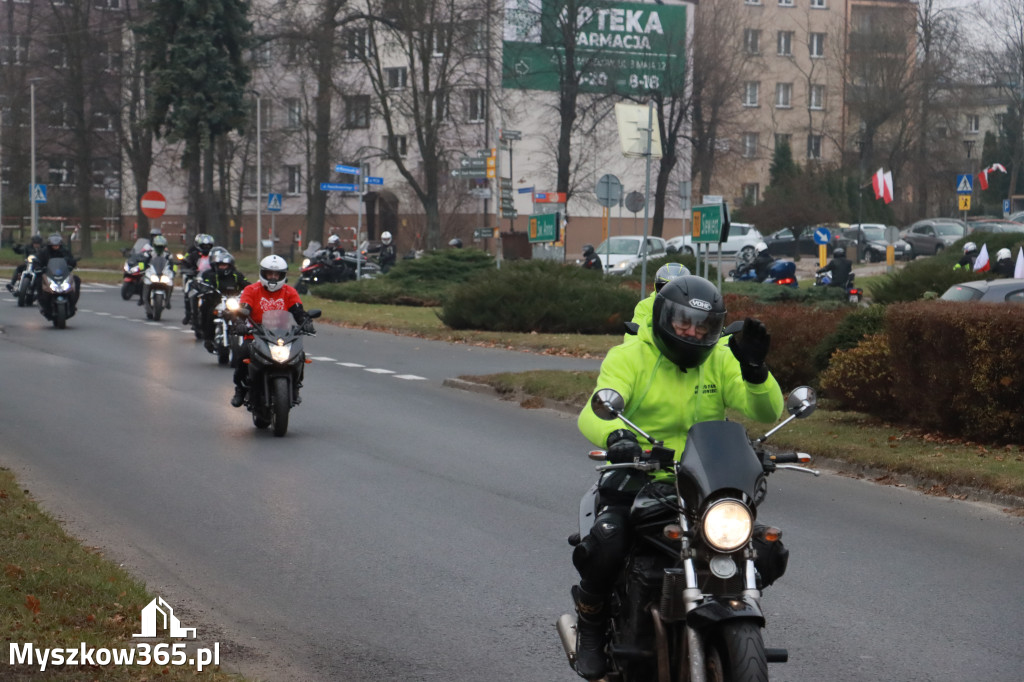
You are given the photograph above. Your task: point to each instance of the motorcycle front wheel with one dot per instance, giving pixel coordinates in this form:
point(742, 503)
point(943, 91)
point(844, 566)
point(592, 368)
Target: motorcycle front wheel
point(158, 307)
point(301, 287)
point(281, 403)
point(735, 653)
point(24, 294)
point(223, 355)
point(60, 319)
point(127, 289)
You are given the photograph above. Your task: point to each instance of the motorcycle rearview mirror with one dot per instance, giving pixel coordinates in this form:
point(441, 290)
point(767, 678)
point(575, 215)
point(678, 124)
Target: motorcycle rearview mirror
point(314, 313)
point(607, 403)
point(802, 401)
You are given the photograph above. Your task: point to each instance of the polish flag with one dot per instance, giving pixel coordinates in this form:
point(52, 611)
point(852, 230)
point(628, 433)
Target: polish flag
point(1018, 270)
point(878, 183)
point(983, 175)
point(887, 187)
point(981, 263)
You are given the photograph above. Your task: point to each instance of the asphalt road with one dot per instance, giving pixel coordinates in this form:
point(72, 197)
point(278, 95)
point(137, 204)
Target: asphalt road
point(403, 530)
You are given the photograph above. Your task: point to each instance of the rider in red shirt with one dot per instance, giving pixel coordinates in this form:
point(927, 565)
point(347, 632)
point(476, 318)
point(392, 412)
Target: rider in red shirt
point(269, 293)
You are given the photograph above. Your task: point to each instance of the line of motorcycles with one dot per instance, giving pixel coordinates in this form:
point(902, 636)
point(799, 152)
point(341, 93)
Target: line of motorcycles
point(51, 287)
point(783, 273)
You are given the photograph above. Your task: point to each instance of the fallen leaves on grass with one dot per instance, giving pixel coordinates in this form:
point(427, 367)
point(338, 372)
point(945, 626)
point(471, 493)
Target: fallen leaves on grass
point(32, 604)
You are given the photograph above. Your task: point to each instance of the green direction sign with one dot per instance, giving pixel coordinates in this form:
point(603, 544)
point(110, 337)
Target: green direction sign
point(544, 227)
point(627, 48)
point(707, 224)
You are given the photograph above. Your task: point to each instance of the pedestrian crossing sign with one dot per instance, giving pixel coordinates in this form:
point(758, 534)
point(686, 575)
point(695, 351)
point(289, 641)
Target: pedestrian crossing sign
point(273, 202)
point(39, 194)
point(964, 184)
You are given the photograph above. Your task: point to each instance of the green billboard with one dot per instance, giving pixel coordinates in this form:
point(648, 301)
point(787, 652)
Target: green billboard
point(622, 47)
point(544, 227)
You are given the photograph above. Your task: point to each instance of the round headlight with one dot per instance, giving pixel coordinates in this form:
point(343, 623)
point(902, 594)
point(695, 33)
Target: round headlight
point(727, 525)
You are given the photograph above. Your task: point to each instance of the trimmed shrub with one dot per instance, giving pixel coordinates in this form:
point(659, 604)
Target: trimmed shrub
point(860, 378)
point(689, 261)
point(849, 332)
point(540, 296)
point(415, 282)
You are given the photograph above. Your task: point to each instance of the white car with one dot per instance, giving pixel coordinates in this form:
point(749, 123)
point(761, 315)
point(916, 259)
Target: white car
point(620, 255)
point(743, 237)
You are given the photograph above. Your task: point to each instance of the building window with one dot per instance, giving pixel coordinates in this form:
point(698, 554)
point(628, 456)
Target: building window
point(783, 95)
point(783, 139)
point(786, 3)
point(357, 111)
point(396, 146)
point(13, 49)
point(59, 57)
point(785, 43)
point(60, 115)
point(357, 44)
point(814, 146)
point(251, 188)
point(973, 123)
point(477, 105)
point(266, 113)
point(104, 174)
point(477, 33)
point(107, 4)
point(817, 45)
point(439, 105)
point(293, 180)
point(752, 2)
point(1000, 122)
point(751, 193)
point(816, 97)
point(293, 112)
point(396, 77)
point(750, 142)
point(262, 55)
point(818, 4)
point(102, 120)
point(441, 40)
point(752, 41)
point(62, 172)
point(751, 91)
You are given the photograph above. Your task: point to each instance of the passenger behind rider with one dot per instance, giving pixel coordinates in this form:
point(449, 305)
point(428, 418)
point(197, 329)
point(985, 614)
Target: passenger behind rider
point(55, 249)
point(645, 308)
point(762, 262)
point(196, 262)
point(33, 248)
point(840, 268)
point(271, 292)
point(677, 372)
point(223, 280)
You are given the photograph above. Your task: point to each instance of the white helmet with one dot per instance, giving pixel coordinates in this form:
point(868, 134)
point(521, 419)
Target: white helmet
point(1003, 254)
point(970, 246)
point(385, 238)
point(273, 272)
point(334, 240)
point(760, 247)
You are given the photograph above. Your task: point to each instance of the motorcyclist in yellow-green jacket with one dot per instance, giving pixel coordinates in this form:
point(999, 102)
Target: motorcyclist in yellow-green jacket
point(678, 370)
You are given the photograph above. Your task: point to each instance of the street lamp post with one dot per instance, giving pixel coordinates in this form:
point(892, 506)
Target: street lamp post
point(259, 184)
point(32, 163)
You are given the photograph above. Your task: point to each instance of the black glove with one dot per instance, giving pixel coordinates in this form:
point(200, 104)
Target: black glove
point(750, 347)
point(307, 326)
point(623, 446)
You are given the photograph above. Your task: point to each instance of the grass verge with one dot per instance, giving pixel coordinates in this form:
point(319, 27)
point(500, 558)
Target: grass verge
point(56, 593)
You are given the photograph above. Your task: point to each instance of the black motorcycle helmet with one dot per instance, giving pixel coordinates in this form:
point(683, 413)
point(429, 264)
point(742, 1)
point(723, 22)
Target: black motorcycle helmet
point(588, 250)
point(689, 313)
point(839, 252)
point(37, 240)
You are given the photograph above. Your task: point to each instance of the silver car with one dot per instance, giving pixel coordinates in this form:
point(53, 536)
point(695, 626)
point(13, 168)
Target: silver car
point(621, 255)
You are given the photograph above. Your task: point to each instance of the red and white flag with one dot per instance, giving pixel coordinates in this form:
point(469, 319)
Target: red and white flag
point(983, 175)
point(981, 263)
point(881, 182)
point(887, 188)
point(1018, 270)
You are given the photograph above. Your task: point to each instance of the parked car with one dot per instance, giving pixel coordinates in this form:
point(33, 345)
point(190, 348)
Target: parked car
point(874, 246)
point(743, 237)
point(1018, 216)
point(996, 291)
point(781, 243)
point(994, 225)
point(620, 255)
point(930, 236)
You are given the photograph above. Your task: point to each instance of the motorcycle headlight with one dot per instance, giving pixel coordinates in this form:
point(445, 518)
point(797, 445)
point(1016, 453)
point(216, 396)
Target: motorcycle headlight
point(232, 303)
point(281, 352)
point(166, 279)
point(727, 525)
point(305, 263)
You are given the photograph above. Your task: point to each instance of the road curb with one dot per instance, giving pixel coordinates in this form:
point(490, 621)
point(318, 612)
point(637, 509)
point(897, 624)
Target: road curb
point(525, 401)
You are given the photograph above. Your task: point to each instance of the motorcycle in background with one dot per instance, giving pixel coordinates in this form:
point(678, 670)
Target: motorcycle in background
point(781, 272)
point(276, 363)
point(25, 290)
point(133, 270)
point(853, 294)
point(56, 292)
point(157, 285)
point(227, 336)
point(688, 604)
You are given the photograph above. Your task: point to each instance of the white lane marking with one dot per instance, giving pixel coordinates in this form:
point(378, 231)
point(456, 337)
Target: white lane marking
point(350, 364)
point(322, 358)
point(99, 313)
point(377, 370)
point(410, 377)
point(154, 324)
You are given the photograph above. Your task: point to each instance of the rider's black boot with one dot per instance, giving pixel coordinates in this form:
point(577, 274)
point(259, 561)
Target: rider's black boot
point(239, 397)
point(591, 633)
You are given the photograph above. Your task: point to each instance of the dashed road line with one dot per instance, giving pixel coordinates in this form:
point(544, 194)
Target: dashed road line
point(351, 364)
point(378, 370)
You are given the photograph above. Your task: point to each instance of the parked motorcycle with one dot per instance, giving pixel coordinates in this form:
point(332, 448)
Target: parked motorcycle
point(157, 285)
point(853, 294)
point(276, 362)
point(56, 292)
point(687, 605)
point(317, 270)
point(25, 290)
point(781, 272)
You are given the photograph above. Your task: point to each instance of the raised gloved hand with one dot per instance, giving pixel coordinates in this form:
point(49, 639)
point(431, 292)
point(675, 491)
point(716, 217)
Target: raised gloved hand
point(750, 347)
point(307, 326)
point(623, 446)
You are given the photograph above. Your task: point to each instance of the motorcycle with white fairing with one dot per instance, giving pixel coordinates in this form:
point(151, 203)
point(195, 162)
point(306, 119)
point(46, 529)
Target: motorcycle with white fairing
point(157, 286)
point(687, 606)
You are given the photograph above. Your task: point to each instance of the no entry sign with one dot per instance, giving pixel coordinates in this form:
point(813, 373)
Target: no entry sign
point(153, 204)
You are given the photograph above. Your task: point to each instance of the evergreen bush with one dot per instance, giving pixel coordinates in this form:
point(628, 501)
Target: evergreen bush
point(540, 296)
point(850, 331)
point(860, 378)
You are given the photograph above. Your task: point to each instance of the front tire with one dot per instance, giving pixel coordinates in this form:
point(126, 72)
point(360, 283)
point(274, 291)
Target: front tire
point(158, 307)
point(60, 319)
point(127, 289)
point(735, 653)
point(281, 403)
point(223, 356)
point(24, 294)
point(301, 287)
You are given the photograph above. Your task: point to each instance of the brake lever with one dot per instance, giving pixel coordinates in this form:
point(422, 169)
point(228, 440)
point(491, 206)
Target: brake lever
point(796, 467)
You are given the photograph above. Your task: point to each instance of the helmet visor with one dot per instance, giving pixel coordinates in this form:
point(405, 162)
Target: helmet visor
point(691, 322)
point(274, 275)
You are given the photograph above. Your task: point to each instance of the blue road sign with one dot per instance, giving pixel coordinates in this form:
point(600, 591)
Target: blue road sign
point(1006, 208)
point(525, 190)
point(39, 194)
point(348, 170)
point(374, 180)
point(822, 235)
point(273, 202)
point(964, 184)
point(338, 187)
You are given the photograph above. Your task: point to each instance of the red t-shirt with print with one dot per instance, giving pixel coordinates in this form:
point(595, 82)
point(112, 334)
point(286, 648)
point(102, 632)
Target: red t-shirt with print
point(260, 300)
